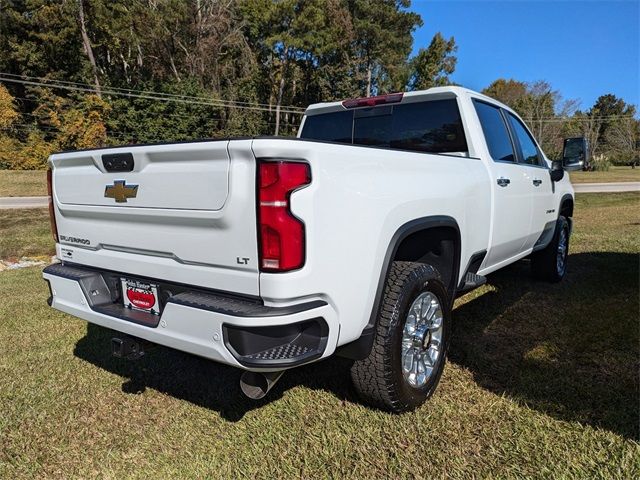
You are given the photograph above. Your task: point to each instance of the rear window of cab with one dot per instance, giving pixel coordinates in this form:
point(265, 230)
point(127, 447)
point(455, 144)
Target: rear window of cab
point(433, 126)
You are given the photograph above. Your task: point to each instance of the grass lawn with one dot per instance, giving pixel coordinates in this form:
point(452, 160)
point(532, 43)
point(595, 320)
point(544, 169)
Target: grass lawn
point(25, 232)
point(23, 183)
point(614, 174)
point(542, 381)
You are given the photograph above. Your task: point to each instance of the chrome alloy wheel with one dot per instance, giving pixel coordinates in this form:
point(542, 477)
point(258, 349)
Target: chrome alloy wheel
point(422, 339)
point(561, 257)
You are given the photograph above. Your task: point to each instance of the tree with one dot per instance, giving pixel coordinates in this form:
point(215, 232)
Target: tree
point(431, 67)
point(510, 92)
point(86, 43)
point(8, 115)
point(609, 106)
point(147, 120)
point(41, 38)
point(8, 112)
point(542, 108)
point(383, 32)
point(81, 124)
point(583, 124)
point(611, 113)
point(56, 124)
point(609, 126)
point(303, 49)
point(623, 139)
point(240, 52)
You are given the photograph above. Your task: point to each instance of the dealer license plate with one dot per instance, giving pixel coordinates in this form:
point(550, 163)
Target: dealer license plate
point(141, 296)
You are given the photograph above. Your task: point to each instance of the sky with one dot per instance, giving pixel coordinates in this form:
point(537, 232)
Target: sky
point(582, 48)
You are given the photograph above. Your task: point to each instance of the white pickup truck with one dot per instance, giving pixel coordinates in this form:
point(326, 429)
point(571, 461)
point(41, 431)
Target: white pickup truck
point(353, 239)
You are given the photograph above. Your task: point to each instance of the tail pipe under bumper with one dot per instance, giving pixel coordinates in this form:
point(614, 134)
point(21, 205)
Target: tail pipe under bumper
point(256, 385)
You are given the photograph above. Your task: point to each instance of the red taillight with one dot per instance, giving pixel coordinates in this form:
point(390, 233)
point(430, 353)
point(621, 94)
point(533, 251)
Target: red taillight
point(52, 214)
point(281, 235)
point(373, 101)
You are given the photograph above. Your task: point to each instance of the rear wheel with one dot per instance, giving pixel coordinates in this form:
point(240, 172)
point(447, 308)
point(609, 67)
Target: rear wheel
point(550, 264)
point(411, 340)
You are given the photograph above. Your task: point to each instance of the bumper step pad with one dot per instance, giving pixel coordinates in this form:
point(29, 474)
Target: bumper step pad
point(472, 281)
point(277, 346)
point(289, 351)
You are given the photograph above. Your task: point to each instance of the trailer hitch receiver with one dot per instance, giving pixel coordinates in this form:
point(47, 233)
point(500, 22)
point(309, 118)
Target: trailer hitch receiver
point(127, 347)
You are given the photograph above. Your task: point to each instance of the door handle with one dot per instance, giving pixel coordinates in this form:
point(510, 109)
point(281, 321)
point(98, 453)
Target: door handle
point(537, 182)
point(503, 182)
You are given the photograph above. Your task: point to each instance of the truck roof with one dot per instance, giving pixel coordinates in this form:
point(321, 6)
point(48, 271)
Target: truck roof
point(417, 95)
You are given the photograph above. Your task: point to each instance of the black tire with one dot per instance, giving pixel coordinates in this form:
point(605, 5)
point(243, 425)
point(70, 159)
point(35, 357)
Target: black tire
point(378, 378)
point(545, 264)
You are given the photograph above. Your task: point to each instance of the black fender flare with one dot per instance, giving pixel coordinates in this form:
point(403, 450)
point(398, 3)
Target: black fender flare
point(360, 348)
point(550, 228)
point(567, 197)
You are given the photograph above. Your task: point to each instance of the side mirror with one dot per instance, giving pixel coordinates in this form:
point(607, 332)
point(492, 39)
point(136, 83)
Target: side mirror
point(557, 171)
point(575, 153)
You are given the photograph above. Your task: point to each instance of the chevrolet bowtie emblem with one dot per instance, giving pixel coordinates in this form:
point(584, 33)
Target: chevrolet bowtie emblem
point(120, 191)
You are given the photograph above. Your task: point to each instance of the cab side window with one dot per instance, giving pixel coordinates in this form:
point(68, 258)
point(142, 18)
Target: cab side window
point(495, 132)
point(530, 153)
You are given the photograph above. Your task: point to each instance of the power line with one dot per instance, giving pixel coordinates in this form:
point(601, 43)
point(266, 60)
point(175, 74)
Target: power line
point(147, 92)
point(214, 103)
point(50, 128)
point(542, 119)
point(175, 115)
point(579, 119)
point(115, 133)
point(118, 135)
point(164, 114)
point(194, 100)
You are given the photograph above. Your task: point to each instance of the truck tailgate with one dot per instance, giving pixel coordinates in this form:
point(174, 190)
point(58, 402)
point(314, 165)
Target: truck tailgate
point(190, 176)
point(188, 207)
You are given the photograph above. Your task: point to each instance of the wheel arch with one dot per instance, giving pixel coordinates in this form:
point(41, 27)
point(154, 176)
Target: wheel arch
point(434, 240)
point(566, 206)
point(567, 203)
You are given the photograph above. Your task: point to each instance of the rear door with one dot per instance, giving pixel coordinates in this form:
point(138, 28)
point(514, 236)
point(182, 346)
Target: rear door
point(180, 212)
point(512, 202)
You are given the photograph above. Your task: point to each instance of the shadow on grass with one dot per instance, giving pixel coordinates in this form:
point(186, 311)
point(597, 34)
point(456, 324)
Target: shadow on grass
point(203, 382)
point(569, 350)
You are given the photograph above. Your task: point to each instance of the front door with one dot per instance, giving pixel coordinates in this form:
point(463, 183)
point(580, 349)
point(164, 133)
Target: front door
point(538, 179)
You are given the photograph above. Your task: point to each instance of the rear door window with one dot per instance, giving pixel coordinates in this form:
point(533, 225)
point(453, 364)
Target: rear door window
point(431, 126)
point(495, 132)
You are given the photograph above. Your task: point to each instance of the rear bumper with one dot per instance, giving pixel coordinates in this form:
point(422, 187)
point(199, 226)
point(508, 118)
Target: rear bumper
point(235, 331)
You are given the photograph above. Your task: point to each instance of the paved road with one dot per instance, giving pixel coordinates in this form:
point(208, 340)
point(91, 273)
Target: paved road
point(23, 202)
point(39, 202)
point(607, 187)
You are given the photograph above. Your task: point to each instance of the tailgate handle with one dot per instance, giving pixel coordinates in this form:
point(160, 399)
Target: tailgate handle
point(118, 162)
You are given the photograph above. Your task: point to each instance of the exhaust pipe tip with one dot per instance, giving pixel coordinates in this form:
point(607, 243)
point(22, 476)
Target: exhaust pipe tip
point(256, 385)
